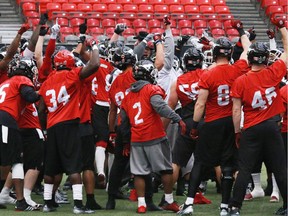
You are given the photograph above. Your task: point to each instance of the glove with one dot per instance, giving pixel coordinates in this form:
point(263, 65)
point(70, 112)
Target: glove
point(237, 24)
point(166, 20)
point(194, 134)
point(93, 44)
point(126, 150)
point(237, 140)
point(279, 22)
point(43, 30)
point(82, 39)
point(55, 29)
point(149, 37)
point(157, 38)
point(182, 125)
point(83, 27)
point(182, 40)
point(23, 28)
point(43, 19)
point(112, 137)
point(120, 27)
point(252, 34)
point(204, 40)
point(270, 33)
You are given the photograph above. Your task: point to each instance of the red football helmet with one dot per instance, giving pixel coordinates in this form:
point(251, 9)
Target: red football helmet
point(64, 59)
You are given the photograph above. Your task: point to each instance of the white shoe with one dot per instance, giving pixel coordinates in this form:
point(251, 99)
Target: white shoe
point(258, 193)
point(185, 210)
point(224, 212)
point(6, 199)
point(274, 197)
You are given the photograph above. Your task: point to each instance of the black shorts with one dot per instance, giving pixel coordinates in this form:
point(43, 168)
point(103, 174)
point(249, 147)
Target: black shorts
point(88, 152)
point(216, 143)
point(63, 149)
point(10, 146)
point(33, 149)
point(100, 122)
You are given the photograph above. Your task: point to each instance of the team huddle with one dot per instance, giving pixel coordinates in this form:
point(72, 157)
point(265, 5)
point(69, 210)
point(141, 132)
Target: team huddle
point(151, 108)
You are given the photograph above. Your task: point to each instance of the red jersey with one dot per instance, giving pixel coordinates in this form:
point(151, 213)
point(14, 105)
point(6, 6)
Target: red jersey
point(187, 86)
point(61, 94)
point(218, 82)
point(145, 122)
point(259, 92)
point(120, 87)
point(10, 97)
point(99, 83)
point(283, 92)
point(29, 118)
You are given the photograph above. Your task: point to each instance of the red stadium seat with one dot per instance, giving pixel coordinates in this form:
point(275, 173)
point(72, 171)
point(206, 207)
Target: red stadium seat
point(206, 9)
point(69, 7)
point(203, 2)
point(200, 24)
point(28, 6)
point(218, 2)
point(274, 9)
point(130, 8)
point(266, 3)
point(139, 23)
point(92, 1)
point(156, 2)
point(129, 32)
point(75, 22)
point(154, 23)
point(141, 29)
point(60, 1)
point(215, 24)
point(176, 9)
point(66, 30)
point(184, 24)
point(91, 22)
point(146, 8)
point(76, 1)
point(175, 32)
point(63, 21)
point(222, 10)
point(32, 14)
point(172, 2)
point(108, 23)
point(84, 7)
point(108, 2)
point(199, 32)
point(173, 23)
point(194, 9)
point(23, 1)
point(187, 31)
point(116, 8)
point(217, 33)
point(188, 2)
point(157, 30)
point(99, 8)
point(43, 5)
point(232, 33)
point(161, 9)
point(285, 9)
point(53, 7)
point(109, 32)
point(227, 24)
point(283, 2)
point(138, 2)
point(126, 21)
point(33, 21)
point(96, 31)
point(123, 2)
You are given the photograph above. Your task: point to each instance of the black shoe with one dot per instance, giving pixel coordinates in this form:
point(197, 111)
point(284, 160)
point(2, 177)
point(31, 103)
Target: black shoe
point(281, 211)
point(110, 205)
point(23, 206)
point(93, 205)
point(153, 207)
point(234, 212)
point(48, 208)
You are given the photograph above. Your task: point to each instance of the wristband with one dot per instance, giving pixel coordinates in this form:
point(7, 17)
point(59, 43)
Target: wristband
point(241, 32)
point(194, 124)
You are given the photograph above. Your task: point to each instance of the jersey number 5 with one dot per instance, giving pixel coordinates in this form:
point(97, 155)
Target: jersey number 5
point(3, 93)
point(63, 97)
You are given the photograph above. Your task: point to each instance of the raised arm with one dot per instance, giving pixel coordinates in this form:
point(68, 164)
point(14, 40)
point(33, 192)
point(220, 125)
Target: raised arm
point(280, 23)
point(168, 45)
point(119, 28)
point(39, 45)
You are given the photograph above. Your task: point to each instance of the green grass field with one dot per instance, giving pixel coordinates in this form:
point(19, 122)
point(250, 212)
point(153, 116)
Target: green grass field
point(260, 206)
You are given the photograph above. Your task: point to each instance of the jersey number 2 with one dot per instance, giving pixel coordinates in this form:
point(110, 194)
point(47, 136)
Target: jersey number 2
point(137, 105)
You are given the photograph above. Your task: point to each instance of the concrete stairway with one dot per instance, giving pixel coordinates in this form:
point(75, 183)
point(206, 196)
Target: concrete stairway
point(9, 21)
point(249, 15)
